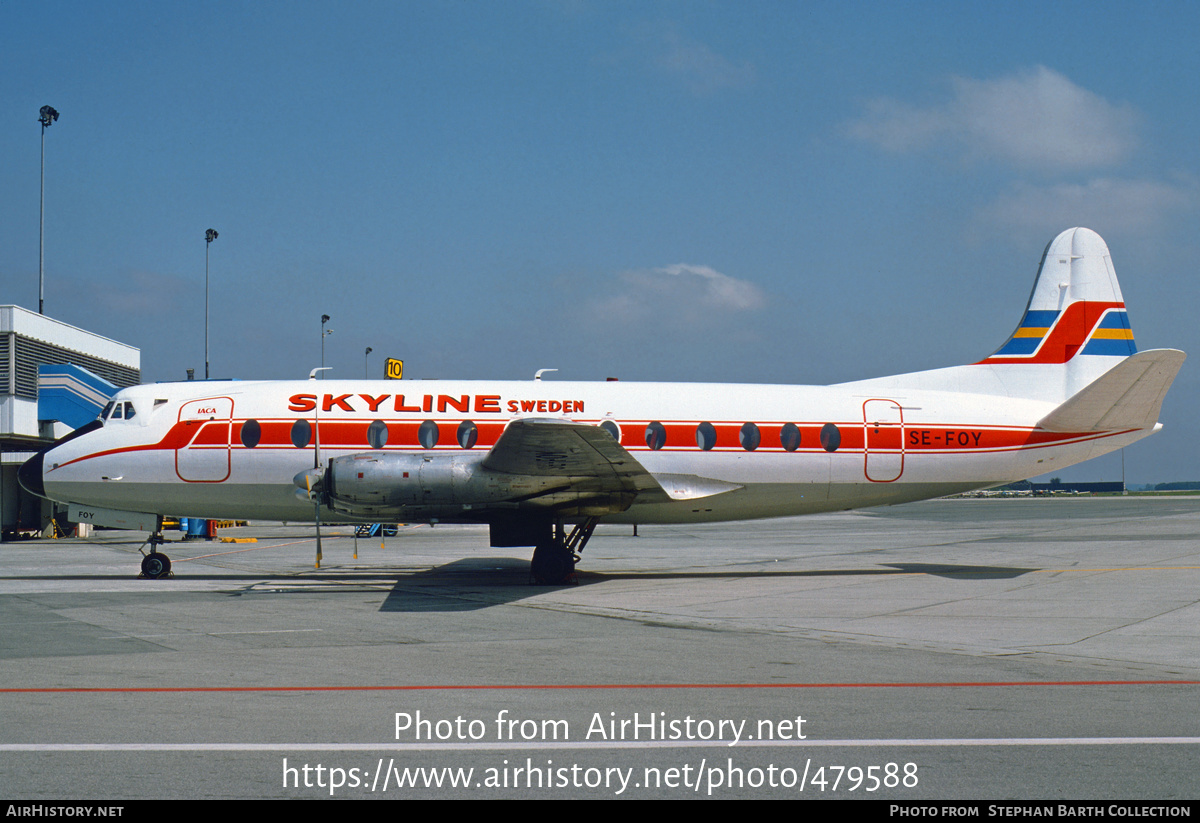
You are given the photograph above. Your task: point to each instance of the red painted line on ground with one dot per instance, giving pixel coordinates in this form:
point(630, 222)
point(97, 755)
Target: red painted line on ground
point(594, 686)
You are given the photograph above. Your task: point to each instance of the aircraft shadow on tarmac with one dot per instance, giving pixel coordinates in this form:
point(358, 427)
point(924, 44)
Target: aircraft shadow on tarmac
point(478, 583)
point(960, 572)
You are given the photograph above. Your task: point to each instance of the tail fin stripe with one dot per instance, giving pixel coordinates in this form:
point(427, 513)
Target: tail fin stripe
point(1040, 317)
point(1116, 320)
point(1112, 337)
point(1019, 346)
point(1068, 334)
point(1029, 335)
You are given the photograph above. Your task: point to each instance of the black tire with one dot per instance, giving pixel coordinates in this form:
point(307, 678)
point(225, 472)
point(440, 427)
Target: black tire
point(552, 565)
point(156, 565)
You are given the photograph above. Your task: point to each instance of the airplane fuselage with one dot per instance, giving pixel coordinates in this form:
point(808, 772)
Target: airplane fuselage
point(231, 449)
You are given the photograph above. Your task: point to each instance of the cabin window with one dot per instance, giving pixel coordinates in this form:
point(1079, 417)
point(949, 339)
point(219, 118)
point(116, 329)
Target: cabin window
point(613, 429)
point(656, 435)
point(377, 434)
point(789, 437)
point(467, 434)
point(706, 436)
point(427, 434)
point(749, 436)
point(301, 433)
point(251, 433)
point(831, 437)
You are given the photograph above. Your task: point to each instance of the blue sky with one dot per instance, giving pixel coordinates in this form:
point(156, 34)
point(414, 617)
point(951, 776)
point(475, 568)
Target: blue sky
point(735, 192)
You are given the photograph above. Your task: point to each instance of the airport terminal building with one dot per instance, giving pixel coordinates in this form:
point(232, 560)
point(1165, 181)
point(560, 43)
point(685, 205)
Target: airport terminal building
point(54, 377)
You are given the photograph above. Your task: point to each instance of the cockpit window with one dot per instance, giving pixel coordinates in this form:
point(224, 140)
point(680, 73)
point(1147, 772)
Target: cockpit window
point(108, 408)
point(117, 414)
point(129, 412)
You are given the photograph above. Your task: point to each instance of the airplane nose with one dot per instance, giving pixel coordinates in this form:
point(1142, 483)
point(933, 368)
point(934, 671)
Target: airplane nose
point(30, 474)
point(32, 470)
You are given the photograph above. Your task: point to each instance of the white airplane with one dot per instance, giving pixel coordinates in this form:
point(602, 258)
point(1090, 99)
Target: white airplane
point(532, 458)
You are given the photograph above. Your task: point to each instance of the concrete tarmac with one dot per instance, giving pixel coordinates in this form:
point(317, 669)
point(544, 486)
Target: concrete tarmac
point(957, 649)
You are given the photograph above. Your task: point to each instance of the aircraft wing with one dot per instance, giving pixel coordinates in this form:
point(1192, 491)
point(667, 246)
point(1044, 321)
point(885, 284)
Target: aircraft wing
point(561, 448)
point(589, 462)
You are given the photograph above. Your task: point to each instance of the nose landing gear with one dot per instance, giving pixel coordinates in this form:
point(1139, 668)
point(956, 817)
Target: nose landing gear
point(155, 565)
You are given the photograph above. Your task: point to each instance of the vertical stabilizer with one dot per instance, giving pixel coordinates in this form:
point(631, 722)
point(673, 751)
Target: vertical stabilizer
point(1075, 318)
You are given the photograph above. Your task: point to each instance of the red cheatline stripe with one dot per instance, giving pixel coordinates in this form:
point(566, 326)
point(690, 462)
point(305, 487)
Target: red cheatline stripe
point(611, 686)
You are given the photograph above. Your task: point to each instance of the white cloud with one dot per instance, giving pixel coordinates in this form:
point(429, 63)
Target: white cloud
point(703, 69)
point(1103, 204)
point(681, 291)
point(1033, 118)
point(898, 127)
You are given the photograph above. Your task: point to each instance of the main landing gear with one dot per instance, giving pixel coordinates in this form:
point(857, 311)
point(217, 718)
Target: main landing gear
point(557, 552)
point(156, 565)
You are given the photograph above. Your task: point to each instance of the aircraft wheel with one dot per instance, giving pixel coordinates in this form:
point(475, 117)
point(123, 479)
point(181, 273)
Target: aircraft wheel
point(156, 565)
point(552, 565)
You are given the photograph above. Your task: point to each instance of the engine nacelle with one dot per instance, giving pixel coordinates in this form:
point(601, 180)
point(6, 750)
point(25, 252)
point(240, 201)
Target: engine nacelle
point(454, 486)
point(379, 483)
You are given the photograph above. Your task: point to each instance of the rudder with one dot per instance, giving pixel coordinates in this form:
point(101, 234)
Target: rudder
point(1075, 319)
point(1076, 307)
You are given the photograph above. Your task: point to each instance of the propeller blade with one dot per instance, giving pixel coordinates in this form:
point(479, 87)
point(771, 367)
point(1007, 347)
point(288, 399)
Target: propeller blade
point(310, 487)
point(314, 477)
point(317, 519)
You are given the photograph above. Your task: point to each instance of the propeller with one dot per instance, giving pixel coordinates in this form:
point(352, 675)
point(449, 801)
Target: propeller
point(314, 480)
point(317, 522)
point(310, 486)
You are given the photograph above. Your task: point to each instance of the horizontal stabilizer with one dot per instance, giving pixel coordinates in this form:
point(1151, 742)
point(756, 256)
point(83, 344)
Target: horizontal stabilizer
point(1128, 396)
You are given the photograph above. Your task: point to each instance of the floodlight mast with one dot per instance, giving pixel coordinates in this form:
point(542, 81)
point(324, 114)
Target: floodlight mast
point(209, 236)
point(324, 332)
point(46, 116)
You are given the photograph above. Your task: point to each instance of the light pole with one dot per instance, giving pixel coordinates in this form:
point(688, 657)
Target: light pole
point(46, 116)
point(367, 364)
point(324, 331)
point(209, 236)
